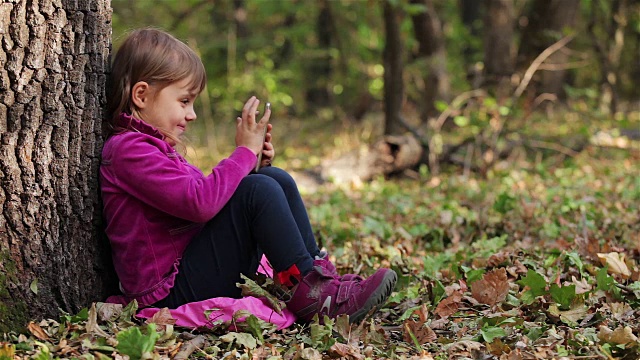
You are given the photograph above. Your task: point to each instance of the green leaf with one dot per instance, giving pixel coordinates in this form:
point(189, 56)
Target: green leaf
point(255, 327)
point(461, 121)
point(322, 335)
point(128, 312)
point(472, 274)
point(489, 333)
point(604, 282)
point(563, 295)
point(34, 286)
point(82, 315)
point(536, 284)
point(251, 288)
point(44, 353)
point(136, 345)
point(535, 333)
point(243, 339)
point(504, 203)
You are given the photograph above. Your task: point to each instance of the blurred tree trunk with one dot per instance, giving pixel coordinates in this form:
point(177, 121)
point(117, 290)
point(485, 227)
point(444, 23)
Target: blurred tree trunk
point(547, 22)
point(53, 65)
point(320, 67)
point(428, 32)
point(470, 11)
point(499, 56)
point(609, 49)
point(393, 85)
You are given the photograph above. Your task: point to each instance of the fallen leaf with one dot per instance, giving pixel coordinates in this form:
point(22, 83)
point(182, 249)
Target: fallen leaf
point(500, 258)
point(162, 318)
point(571, 316)
point(492, 288)
point(582, 286)
point(615, 264)
point(345, 351)
point(422, 332)
point(309, 354)
point(449, 305)
point(466, 348)
point(108, 311)
point(621, 335)
point(37, 331)
point(92, 323)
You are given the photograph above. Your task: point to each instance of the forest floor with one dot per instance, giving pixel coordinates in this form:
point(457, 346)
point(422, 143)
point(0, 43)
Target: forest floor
point(536, 258)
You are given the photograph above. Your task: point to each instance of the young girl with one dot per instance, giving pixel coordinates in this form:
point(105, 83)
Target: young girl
point(179, 236)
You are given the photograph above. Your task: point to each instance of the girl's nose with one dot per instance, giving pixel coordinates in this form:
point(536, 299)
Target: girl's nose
point(191, 114)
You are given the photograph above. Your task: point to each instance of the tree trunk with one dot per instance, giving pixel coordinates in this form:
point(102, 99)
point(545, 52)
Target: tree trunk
point(428, 32)
point(393, 85)
point(499, 56)
point(53, 64)
point(547, 21)
point(320, 68)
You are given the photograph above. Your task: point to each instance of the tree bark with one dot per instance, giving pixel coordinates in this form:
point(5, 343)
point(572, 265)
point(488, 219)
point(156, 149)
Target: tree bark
point(499, 56)
point(428, 32)
point(320, 68)
point(393, 85)
point(547, 21)
point(53, 65)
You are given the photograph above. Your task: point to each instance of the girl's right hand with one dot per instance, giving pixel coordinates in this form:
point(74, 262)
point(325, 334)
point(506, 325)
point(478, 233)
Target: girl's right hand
point(250, 133)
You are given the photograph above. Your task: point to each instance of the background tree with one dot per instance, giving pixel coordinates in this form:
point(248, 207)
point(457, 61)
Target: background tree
point(499, 45)
point(547, 22)
point(427, 29)
point(53, 63)
point(393, 62)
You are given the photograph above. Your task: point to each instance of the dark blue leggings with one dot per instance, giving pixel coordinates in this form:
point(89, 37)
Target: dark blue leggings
point(265, 215)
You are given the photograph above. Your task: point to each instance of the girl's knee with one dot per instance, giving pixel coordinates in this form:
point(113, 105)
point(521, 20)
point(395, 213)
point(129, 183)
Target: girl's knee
point(282, 177)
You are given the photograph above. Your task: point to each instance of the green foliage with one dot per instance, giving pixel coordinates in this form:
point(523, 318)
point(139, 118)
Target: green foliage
point(136, 345)
point(535, 285)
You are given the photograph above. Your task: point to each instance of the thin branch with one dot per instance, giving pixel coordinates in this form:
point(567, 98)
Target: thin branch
point(528, 75)
point(189, 347)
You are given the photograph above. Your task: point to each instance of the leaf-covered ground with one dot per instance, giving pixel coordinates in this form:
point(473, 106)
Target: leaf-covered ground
point(537, 260)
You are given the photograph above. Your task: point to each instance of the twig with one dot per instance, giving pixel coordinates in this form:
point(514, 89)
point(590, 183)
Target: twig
point(189, 347)
point(455, 104)
point(538, 61)
point(552, 146)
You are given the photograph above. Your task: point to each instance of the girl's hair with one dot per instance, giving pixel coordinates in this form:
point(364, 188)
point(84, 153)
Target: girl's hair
point(155, 57)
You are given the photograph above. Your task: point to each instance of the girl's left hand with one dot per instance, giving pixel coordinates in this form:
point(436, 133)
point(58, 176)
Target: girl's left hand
point(268, 151)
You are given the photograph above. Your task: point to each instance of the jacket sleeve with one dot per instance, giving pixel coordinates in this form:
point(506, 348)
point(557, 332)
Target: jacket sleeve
point(164, 182)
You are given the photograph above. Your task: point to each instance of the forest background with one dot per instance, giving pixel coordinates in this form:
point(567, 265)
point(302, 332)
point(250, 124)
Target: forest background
point(487, 151)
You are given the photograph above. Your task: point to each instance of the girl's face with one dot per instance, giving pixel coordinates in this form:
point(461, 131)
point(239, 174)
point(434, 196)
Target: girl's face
point(170, 108)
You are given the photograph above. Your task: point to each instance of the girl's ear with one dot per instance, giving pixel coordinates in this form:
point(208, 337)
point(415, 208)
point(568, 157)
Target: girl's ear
point(140, 94)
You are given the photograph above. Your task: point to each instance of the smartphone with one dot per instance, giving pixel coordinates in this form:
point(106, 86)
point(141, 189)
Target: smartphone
point(267, 106)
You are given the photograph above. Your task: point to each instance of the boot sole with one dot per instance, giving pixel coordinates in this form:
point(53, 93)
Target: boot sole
point(377, 298)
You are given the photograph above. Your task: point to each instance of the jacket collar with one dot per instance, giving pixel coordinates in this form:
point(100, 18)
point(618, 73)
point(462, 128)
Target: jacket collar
point(130, 123)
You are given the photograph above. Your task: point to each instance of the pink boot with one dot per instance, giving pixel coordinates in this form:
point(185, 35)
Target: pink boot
point(321, 292)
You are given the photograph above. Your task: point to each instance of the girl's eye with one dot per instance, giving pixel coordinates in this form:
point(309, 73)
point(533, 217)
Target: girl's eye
point(185, 101)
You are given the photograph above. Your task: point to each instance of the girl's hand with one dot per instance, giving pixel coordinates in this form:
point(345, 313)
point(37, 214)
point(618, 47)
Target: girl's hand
point(268, 151)
point(248, 131)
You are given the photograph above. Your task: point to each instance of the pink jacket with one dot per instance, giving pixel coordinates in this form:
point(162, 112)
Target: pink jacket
point(155, 202)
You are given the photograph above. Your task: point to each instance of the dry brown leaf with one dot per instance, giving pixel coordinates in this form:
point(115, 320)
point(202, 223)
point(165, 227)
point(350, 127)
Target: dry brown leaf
point(92, 323)
point(449, 305)
point(615, 264)
point(345, 351)
point(37, 331)
point(108, 311)
point(492, 288)
point(162, 318)
point(582, 286)
point(466, 348)
point(422, 332)
point(500, 258)
point(621, 335)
